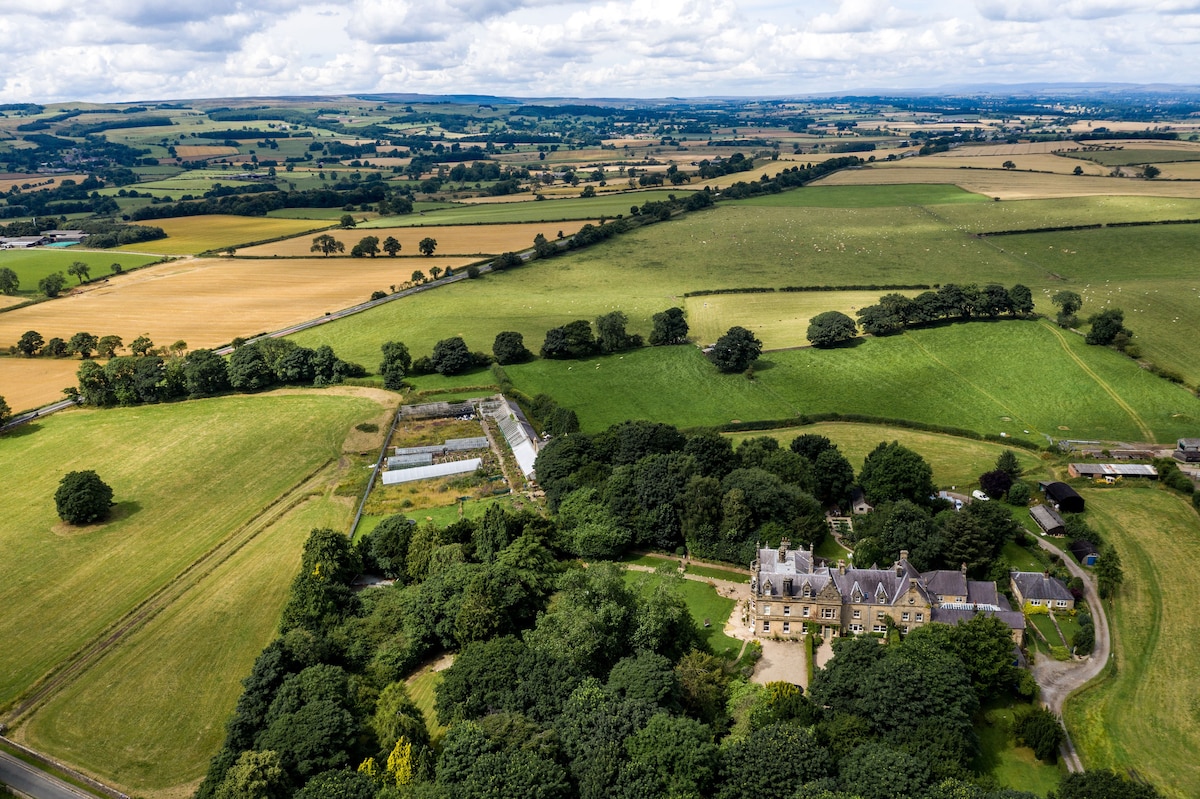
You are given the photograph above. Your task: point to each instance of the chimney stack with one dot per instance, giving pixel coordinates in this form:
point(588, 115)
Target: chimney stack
point(841, 566)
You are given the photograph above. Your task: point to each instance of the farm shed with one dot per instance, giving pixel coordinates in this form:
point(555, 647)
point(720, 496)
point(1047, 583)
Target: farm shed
point(21, 242)
point(1063, 497)
point(1084, 551)
point(1093, 470)
point(428, 472)
point(75, 236)
point(451, 445)
point(1187, 450)
point(1048, 519)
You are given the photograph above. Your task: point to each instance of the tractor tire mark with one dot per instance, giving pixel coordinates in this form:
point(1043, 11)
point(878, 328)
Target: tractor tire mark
point(1147, 433)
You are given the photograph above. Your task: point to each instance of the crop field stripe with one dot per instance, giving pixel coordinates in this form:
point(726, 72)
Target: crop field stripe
point(1000, 403)
point(172, 591)
point(1125, 406)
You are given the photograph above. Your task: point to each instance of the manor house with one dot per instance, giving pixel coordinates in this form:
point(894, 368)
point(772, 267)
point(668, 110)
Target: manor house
point(790, 590)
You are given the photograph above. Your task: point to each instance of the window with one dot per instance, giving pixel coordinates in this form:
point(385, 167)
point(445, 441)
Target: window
point(920, 617)
point(766, 625)
point(827, 613)
point(904, 629)
point(903, 617)
point(881, 615)
point(1062, 603)
point(858, 614)
point(1035, 602)
point(805, 612)
point(766, 610)
point(879, 628)
point(787, 610)
point(856, 628)
point(787, 626)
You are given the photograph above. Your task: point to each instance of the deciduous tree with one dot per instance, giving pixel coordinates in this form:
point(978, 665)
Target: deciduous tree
point(326, 245)
point(80, 270)
point(9, 282)
point(830, 328)
point(509, 347)
point(451, 356)
point(395, 365)
point(391, 246)
point(427, 245)
point(51, 285)
point(670, 327)
point(82, 497)
point(30, 343)
point(735, 350)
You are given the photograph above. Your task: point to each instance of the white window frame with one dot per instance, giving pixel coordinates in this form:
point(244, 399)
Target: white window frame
point(766, 625)
point(787, 626)
point(828, 613)
point(879, 628)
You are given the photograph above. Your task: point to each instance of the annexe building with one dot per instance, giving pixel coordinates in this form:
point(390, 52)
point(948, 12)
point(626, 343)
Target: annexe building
point(1039, 589)
point(791, 591)
point(1048, 519)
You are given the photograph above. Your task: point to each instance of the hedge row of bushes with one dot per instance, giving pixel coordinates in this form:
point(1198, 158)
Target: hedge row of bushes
point(813, 418)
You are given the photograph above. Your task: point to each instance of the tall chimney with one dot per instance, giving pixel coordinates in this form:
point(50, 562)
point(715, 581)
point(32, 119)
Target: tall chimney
point(841, 566)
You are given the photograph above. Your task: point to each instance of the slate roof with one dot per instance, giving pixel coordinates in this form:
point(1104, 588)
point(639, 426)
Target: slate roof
point(1015, 619)
point(946, 583)
point(1037, 585)
point(1048, 519)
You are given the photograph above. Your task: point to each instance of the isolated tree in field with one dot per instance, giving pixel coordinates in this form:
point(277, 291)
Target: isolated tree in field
point(326, 245)
point(9, 282)
point(82, 498)
point(1106, 326)
point(107, 346)
point(736, 350)
point(118, 269)
point(830, 328)
point(82, 344)
point(1150, 172)
point(670, 327)
point(418, 276)
point(369, 245)
point(1077, 171)
point(80, 270)
point(51, 285)
point(435, 272)
point(142, 345)
point(893, 472)
point(5, 412)
point(30, 343)
point(1068, 303)
point(1009, 165)
point(391, 246)
point(395, 365)
point(347, 221)
point(451, 356)
point(427, 245)
point(509, 347)
point(1109, 574)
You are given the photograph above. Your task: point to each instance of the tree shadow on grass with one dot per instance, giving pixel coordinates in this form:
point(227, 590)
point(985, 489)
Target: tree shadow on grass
point(763, 365)
point(120, 511)
point(27, 429)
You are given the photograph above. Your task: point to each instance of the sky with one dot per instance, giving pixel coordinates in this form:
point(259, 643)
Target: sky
point(141, 50)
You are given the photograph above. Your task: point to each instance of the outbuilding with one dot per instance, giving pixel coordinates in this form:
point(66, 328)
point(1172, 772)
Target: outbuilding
point(1048, 519)
point(1187, 450)
point(1063, 497)
point(1084, 551)
point(1111, 471)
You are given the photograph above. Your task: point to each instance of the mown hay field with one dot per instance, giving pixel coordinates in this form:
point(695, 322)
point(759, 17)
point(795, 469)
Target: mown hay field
point(1141, 153)
point(121, 720)
point(9, 183)
point(778, 320)
point(28, 383)
point(34, 264)
point(451, 240)
point(1093, 210)
point(888, 196)
point(955, 461)
point(189, 235)
point(529, 210)
point(1146, 715)
point(185, 476)
point(1010, 184)
point(1036, 162)
point(1004, 377)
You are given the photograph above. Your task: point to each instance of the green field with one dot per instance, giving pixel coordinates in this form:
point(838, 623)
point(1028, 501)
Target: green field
point(185, 476)
point(1133, 155)
point(122, 718)
point(423, 690)
point(1146, 714)
point(955, 461)
point(867, 196)
point(33, 265)
point(609, 205)
point(703, 603)
point(1018, 376)
point(1012, 766)
point(1029, 214)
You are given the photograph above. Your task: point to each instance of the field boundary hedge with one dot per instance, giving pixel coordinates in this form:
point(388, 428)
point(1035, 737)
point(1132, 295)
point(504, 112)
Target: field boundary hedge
point(804, 420)
point(851, 287)
point(1097, 226)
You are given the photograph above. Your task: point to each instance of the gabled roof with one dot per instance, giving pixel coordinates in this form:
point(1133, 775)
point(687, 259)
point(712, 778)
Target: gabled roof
point(1047, 518)
point(1038, 585)
point(946, 582)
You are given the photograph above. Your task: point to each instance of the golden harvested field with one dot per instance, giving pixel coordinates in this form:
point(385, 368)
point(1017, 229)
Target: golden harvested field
point(7, 183)
point(1013, 185)
point(451, 240)
point(1038, 162)
point(205, 302)
point(189, 235)
point(1180, 170)
point(203, 150)
point(28, 383)
point(1021, 148)
point(778, 320)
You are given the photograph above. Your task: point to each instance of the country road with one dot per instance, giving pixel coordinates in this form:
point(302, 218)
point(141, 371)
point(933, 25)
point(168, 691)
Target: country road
point(1058, 680)
point(34, 782)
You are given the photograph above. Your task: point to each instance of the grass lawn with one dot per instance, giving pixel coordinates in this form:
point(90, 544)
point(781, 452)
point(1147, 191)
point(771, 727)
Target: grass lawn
point(122, 720)
point(33, 265)
point(703, 602)
point(528, 210)
point(716, 573)
point(1012, 766)
point(1046, 627)
point(1069, 626)
point(423, 689)
point(189, 235)
point(955, 461)
point(1022, 559)
point(472, 509)
point(1146, 714)
point(185, 477)
point(652, 561)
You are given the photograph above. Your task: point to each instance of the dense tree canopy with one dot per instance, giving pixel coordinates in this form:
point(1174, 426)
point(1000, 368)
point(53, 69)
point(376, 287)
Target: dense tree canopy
point(82, 498)
point(830, 328)
point(736, 350)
